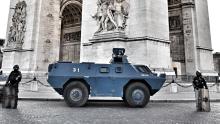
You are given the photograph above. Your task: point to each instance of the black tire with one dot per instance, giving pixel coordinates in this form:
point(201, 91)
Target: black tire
point(124, 100)
point(137, 95)
point(76, 94)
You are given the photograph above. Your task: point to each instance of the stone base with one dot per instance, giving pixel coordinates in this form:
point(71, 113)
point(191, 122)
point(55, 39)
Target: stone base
point(15, 45)
point(152, 52)
point(109, 36)
point(21, 57)
point(209, 73)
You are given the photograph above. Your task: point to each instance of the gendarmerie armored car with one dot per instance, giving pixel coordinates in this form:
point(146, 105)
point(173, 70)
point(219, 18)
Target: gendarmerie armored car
point(77, 81)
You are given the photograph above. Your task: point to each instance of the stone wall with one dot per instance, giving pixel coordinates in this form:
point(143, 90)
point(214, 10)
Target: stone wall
point(48, 43)
point(204, 44)
point(42, 37)
point(146, 36)
point(24, 56)
point(216, 57)
point(190, 36)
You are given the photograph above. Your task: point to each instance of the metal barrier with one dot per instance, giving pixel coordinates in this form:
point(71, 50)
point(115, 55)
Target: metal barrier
point(182, 80)
point(35, 80)
point(189, 78)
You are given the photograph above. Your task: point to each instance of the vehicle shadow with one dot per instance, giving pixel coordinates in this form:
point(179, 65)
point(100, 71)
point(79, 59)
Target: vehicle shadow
point(105, 104)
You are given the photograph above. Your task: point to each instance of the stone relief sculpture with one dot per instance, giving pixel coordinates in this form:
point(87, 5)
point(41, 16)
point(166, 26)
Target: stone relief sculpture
point(17, 30)
point(111, 15)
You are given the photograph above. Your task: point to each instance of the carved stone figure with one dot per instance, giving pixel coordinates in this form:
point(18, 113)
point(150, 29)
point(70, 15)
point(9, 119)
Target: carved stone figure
point(18, 28)
point(111, 15)
point(121, 13)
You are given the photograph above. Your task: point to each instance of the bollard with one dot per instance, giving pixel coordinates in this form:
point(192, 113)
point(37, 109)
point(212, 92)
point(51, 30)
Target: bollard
point(217, 88)
point(34, 86)
point(217, 85)
point(173, 88)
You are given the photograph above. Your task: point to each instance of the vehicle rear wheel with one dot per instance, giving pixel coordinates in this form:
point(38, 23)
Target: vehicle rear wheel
point(124, 100)
point(137, 95)
point(76, 94)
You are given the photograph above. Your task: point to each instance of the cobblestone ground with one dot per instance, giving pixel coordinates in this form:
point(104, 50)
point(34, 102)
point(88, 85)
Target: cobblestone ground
point(31, 112)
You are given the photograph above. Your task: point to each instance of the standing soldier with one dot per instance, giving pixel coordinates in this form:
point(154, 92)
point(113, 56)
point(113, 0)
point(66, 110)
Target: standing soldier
point(11, 89)
point(199, 82)
point(202, 93)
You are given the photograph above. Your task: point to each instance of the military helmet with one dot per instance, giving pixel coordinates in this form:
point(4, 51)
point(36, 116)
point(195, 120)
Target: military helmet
point(16, 67)
point(198, 73)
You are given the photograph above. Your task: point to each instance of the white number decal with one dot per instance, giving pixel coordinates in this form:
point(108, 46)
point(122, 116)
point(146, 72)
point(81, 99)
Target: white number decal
point(75, 69)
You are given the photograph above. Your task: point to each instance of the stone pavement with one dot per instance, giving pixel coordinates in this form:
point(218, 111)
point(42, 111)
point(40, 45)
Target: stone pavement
point(57, 112)
point(164, 95)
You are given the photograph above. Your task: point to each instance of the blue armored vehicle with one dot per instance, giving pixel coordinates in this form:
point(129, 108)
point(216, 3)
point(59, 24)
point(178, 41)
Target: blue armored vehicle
point(77, 81)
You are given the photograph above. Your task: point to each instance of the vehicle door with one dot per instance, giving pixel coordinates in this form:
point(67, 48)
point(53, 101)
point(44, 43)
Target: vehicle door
point(103, 81)
point(118, 79)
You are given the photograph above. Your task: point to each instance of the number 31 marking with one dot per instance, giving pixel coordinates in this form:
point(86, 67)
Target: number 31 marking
point(75, 69)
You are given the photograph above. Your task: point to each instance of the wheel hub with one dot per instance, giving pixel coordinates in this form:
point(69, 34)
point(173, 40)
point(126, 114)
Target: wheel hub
point(138, 95)
point(76, 94)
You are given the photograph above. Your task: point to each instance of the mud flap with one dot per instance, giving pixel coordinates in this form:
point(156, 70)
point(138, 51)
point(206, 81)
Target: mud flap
point(9, 98)
point(202, 100)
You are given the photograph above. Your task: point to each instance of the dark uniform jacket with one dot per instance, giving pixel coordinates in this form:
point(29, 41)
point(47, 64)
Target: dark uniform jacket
point(14, 79)
point(199, 83)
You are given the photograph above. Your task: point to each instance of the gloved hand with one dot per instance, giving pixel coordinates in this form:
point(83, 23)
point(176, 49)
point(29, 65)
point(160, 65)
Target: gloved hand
point(8, 84)
point(17, 78)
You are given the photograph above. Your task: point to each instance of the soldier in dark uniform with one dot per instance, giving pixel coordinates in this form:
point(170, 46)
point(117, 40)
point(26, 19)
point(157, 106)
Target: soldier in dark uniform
point(199, 82)
point(201, 93)
point(13, 82)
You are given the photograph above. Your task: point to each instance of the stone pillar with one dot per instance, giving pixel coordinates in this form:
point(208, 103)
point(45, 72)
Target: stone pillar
point(48, 43)
point(41, 42)
point(204, 44)
point(198, 49)
point(190, 36)
point(27, 28)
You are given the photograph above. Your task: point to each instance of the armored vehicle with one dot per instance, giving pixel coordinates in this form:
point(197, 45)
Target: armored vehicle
point(77, 81)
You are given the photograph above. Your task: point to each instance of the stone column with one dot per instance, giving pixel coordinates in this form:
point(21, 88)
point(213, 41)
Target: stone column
point(204, 44)
point(190, 38)
point(48, 40)
point(28, 24)
point(41, 42)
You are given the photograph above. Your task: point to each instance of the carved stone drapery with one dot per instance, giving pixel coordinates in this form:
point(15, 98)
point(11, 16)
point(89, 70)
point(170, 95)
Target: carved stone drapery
point(17, 30)
point(111, 15)
point(172, 2)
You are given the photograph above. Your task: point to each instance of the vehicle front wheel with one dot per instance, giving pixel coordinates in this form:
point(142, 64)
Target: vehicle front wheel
point(137, 95)
point(76, 94)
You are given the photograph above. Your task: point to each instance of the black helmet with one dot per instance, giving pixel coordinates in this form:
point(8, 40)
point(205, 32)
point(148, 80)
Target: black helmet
point(198, 73)
point(16, 67)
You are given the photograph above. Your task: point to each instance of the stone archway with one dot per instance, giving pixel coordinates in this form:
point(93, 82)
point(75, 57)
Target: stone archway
point(71, 14)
